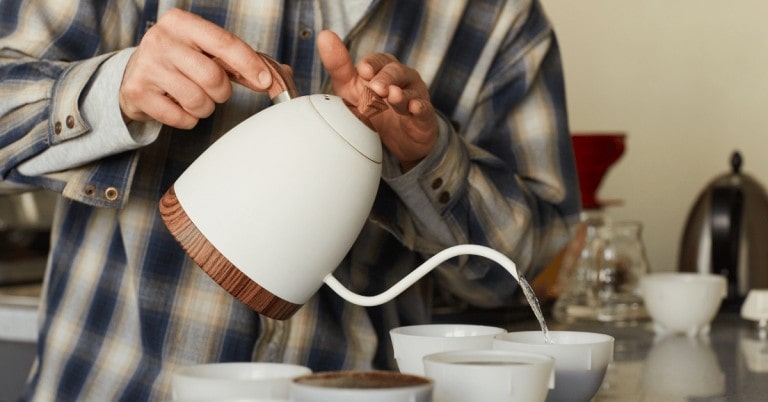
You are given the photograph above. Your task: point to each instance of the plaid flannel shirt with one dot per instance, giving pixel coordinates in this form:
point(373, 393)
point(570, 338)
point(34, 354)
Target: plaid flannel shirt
point(123, 306)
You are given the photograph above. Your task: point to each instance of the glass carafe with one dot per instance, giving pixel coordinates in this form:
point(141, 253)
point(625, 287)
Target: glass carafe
point(621, 264)
point(600, 282)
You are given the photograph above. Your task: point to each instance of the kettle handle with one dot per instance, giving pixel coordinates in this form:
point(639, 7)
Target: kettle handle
point(726, 230)
point(283, 88)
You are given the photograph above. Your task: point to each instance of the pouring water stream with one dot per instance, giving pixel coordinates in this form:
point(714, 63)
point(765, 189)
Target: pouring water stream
point(429, 265)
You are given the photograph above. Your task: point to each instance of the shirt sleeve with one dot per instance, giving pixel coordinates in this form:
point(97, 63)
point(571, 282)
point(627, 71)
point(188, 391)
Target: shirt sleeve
point(49, 65)
point(107, 134)
point(408, 187)
point(505, 178)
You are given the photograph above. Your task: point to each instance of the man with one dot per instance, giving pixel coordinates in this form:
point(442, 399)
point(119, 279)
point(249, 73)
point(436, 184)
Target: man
point(107, 102)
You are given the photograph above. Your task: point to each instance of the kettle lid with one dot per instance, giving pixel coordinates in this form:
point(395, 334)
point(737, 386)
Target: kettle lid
point(736, 178)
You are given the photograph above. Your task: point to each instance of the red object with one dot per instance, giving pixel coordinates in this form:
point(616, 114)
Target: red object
point(595, 153)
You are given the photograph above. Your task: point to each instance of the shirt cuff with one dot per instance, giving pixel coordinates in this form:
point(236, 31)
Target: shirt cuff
point(106, 133)
point(433, 184)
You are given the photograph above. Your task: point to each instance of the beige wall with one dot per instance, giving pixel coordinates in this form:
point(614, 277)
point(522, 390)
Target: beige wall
point(687, 80)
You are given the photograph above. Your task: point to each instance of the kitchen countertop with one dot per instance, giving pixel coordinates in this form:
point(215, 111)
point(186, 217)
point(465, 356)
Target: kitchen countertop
point(18, 336)
point(728, 364)
point(18, 312)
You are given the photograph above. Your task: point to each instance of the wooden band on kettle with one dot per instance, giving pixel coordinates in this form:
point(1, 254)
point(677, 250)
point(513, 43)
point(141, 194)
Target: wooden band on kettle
point(217, 266)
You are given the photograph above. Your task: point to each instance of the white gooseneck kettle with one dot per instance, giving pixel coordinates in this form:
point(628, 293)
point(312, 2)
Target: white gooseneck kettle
point(273, 206)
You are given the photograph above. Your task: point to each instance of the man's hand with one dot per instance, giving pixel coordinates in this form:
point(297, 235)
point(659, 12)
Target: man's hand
point(409, 128)
point(172, 78)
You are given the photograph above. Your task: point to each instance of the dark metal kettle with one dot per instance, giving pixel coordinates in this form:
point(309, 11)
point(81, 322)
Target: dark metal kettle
point(726, 232)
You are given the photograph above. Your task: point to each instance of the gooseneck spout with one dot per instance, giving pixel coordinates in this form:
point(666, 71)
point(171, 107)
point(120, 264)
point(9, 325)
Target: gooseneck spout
point(423, 269)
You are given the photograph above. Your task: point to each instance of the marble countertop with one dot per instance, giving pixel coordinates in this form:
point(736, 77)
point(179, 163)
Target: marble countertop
point(728, 364)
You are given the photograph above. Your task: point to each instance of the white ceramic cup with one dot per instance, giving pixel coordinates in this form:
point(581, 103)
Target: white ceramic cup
point(581, 359)
point(357, 386)
point(755, 306)
point(490, 375)
point(231, 400)
point(683, 302)
point(224, 381)
point(412, 343)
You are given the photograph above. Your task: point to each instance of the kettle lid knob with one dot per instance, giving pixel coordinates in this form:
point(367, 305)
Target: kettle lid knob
point(736, 162)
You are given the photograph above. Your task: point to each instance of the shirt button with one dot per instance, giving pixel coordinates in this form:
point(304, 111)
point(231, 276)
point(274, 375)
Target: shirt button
point(305, 33)
point(111, 193)
point(437, 183)
point(70, 121)
point(57, 128)
point(89, 190)
point(444, 197)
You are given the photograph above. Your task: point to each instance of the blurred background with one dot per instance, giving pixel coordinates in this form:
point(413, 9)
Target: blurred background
point(686, 80)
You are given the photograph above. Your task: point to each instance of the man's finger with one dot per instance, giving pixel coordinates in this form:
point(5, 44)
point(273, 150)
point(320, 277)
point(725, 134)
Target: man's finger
point(336, 58)
point(218, 42)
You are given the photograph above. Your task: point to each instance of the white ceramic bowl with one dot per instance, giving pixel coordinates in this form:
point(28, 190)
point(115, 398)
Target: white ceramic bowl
point(357, 386)
point(224, 381)
point(412, 343)
point(581, 359)
point(490, 375)
point(683, 302)
point(231, 400)
point(755, 306)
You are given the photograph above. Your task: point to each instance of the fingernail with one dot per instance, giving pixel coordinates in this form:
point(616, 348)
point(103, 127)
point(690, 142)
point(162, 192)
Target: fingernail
point(418, 106)
point(378, 87)
point(265, 78)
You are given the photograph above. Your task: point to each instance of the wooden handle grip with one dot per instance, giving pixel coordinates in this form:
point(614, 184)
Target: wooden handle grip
point(370, 103)
point(282, 82)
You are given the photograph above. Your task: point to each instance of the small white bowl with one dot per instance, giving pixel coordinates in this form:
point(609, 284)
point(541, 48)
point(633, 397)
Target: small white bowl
point(490, 375)
point(581, 359)
point(224, 381)
point(356, 386)
point(231, 400)
point(412, 343)
point(755, 307)
point(683, 302)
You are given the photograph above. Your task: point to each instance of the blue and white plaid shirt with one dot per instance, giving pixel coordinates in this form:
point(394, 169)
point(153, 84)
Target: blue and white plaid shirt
point(123, 306)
